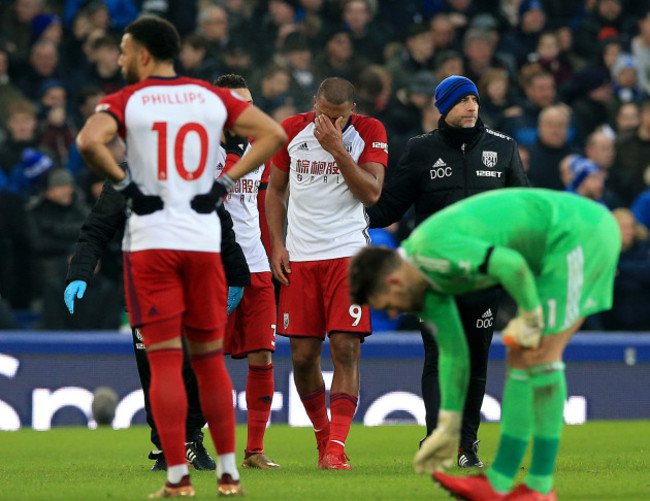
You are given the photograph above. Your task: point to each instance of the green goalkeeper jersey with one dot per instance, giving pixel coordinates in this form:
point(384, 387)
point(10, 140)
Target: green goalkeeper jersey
point(545, 247)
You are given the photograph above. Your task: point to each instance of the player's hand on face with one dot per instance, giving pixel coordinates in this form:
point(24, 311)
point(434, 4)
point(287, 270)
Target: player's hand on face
point(280, 265)
point(328, 134)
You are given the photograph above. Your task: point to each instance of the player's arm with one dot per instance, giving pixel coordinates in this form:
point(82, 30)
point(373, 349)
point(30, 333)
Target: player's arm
point(276, 215)
point(364, 180)
point(92, 141)
point(104, 221)
point(234, 262)
point(398, 194)
point(511, 270)
point(438, 451)
point(268, 137)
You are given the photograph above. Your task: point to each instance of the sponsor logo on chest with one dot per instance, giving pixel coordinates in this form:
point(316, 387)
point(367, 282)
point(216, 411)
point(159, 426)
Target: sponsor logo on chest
point(440, 169)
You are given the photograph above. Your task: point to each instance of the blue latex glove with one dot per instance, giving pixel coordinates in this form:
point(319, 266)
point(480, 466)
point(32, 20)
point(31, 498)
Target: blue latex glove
point(234, 296)
point(77, 288)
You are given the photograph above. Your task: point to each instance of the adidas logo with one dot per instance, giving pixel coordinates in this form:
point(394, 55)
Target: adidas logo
point(590, 303)
point(440, 163)
point(153, 311)
point(487, 314)
point(303, 147)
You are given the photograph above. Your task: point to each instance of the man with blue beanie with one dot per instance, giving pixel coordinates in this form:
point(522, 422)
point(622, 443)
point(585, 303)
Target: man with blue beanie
point(460, 158)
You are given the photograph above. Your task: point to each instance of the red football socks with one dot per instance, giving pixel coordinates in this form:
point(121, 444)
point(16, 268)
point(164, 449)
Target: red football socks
point(215, 393)
point(342, 407)
point(259, 395)
point(169, 402)
point(316, 407)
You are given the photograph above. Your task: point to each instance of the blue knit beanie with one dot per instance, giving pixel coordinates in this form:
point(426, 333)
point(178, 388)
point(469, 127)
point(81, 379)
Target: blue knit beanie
point(581, 168)
point(451, 90)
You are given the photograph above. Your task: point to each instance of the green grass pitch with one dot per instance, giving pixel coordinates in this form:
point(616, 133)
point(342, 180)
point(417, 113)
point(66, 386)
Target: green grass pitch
point(598, 461)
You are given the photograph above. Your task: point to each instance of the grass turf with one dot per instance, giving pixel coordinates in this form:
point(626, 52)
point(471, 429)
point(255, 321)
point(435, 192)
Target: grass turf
point(598, 461)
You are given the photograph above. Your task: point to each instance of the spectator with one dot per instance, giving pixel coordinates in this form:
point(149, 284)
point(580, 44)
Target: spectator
point(367, 42)
point(57, 131)
point(43, 65)
point(9, 93)
point(278, 21)
point(540, 91)
point(47, 27)
point(274, 88)
point(104, 70)
point(586, 179)
point(212, 24)
point(298, 57)
point(497, 99)
point(591, 91)
point(523, 40)
point(338, 59)
point(449, 63)
point(630, 170)
point(551, 58)
point(479, 49)
point(17, 28)
point(627, 118)
point(192, 59)
point(88, 98)
point(551, 147)
point(22, 127)
point(641, 208)
point(632, 283)
point(406, 112)
point(604, 21)
point(119, 12)
point(56, 218)
point(237, 58)
point(444, 34)
point(641, 51)
point(416, 56)
point(625, 78)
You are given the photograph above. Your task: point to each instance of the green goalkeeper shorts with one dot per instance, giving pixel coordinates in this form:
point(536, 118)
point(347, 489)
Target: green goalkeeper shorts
point(577, 275)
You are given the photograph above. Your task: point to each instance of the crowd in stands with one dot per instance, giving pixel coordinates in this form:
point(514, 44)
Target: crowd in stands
point(569, 80)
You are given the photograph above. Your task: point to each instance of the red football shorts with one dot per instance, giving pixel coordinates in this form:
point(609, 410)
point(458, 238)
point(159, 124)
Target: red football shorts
point(251, 326)
point(161, 284)
point(317, 301)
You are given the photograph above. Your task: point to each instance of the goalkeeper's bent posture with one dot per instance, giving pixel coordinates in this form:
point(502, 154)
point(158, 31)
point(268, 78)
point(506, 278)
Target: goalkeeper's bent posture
point(556, 254)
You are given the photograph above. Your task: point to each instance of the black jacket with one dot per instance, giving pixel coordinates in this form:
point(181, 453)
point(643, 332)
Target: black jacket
point(108, 217)
point(436, 171)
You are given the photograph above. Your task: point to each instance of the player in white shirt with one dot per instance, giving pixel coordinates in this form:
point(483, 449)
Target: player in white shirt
point(333, 165)
point(251, 326)
point(172, 266)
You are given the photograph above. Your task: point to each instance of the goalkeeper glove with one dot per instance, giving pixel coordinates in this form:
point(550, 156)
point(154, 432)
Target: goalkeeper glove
point(137, 201)
point(76, 288)
point(525, 331)
point(234, 297)
point(438, 452)
point(234, 144)
point(208, 202)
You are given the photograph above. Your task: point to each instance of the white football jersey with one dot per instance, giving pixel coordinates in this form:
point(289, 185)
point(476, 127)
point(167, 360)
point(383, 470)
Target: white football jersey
point(172, 128)
point(241, 203)
point(325, 220)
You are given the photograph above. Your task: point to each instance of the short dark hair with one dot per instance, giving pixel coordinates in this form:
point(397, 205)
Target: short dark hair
point(368, 270)
point(231, 81)
point(106, 41)
point(157, 35)
point(336, 90)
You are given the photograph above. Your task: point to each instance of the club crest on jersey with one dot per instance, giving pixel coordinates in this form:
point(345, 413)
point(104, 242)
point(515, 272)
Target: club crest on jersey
point(285, 320)
point(489, 158)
